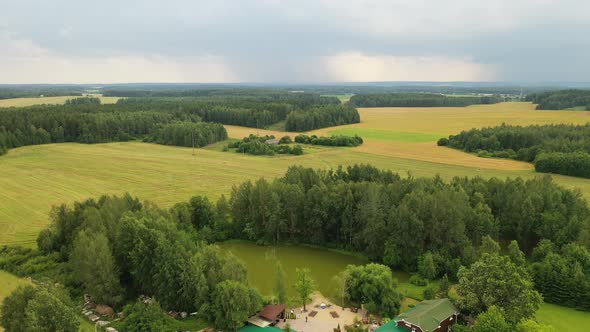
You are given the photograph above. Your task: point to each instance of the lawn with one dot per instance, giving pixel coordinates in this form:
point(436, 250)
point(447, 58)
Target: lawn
point(8, 283)
point(564, 319)
point(21, 102)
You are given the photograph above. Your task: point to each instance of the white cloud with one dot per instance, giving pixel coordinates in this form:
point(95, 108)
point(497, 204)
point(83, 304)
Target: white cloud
point(356, 66)
point(290, 40)
point(24, 62)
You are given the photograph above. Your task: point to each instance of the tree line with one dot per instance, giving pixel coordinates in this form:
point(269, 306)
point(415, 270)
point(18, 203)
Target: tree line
point(83, 101)
point(321, 117)
point(236, 95)
point(80, 123)
point(561, 149)
point(84, 120)
point(258, 146)
point(336, 140)
point(197, 134)
point(232, 111)
point(22, 91)
point(419, 100)
point(560, 99)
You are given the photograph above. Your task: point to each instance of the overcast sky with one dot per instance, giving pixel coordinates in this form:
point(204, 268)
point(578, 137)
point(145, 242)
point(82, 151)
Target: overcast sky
point(315, 41)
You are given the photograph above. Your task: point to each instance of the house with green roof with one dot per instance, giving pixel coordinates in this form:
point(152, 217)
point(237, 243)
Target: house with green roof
point(426, 316)
point(254, 328)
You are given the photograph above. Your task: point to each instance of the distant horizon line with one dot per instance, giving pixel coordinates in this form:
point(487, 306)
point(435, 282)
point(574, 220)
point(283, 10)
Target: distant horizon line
point(344, 83)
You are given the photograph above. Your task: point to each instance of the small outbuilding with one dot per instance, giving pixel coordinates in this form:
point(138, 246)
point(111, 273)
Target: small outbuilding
point(272, 141)
point(268, 316)
point(426, 316)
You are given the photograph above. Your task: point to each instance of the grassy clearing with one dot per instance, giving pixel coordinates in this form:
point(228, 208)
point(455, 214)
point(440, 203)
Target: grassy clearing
point(22, 102)
point(564, 319)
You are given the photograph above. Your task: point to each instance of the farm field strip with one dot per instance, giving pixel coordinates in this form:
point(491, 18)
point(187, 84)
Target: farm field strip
point(30, 101)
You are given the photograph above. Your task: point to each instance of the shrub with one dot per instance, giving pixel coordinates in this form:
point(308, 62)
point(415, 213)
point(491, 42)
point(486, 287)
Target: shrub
point(285, 140)
point(418, 280)
point(443, 142)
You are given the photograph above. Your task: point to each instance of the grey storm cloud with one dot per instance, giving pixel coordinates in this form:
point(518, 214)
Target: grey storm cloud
point(272, 40)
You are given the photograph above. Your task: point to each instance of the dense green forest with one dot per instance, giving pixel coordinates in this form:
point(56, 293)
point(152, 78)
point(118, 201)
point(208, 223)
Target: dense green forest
point(419, 100)
point(197, 134)
point(363, 209)
point(301, 111)
point(321, 117)
point(84, 120)
point(560, 99)
point(80, 123)
point(83, 101)
point(256, 145)
point(437, 228)
point(338, 140)
point(117, 248)
point(561, 149)
point(21, 91)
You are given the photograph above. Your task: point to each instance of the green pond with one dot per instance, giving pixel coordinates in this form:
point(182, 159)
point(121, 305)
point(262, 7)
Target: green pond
point(261, 261)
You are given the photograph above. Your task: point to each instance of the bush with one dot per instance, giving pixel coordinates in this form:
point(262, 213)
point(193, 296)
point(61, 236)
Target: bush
point(297, 150)
point(285, 140)
point(418, 280)
point(429, 293)
point(443, 142)
point(483, 154)
point(338, 140)
point(256, 145)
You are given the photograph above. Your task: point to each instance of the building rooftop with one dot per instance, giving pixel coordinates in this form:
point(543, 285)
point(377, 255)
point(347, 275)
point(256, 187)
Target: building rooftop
point(253, 328)
point(428, 314)
point(272, 312)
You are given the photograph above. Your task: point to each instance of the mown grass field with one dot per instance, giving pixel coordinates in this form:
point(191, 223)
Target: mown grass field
point(34, 178)
point(22, 102)
point(564, 319)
